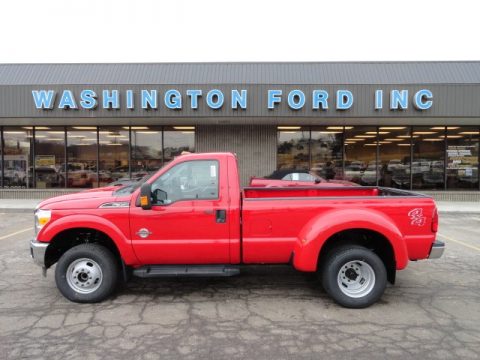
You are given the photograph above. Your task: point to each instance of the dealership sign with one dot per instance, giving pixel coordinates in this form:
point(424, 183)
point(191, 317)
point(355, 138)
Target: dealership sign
point(296, 99)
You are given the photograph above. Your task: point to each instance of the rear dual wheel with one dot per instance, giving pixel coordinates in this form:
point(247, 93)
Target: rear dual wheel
point(354, 276)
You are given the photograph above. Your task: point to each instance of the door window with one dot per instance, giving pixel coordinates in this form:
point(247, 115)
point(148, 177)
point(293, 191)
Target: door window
point(190, 180)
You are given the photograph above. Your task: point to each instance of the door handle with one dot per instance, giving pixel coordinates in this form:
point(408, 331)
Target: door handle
point(221, 216)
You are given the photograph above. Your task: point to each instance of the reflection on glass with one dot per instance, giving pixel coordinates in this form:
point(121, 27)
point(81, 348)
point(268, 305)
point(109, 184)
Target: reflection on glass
point(49, 157)
point(394, 143)
point(428, 157)
point(327, 152)
point(178, 139)
point(462, 157)
point(17, 157)
point(113, 154)
point(293, 148)
point(360, 155)
point(146, 150)
point(82, 157)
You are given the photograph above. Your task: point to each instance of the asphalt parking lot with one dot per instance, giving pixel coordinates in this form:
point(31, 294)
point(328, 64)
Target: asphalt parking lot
point(433, 311)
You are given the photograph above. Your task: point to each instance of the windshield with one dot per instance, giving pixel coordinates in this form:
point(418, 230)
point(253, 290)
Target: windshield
point(128, 189)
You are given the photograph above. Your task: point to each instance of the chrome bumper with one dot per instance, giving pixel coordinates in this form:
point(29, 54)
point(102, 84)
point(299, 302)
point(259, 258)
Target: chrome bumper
point(437, 249)
point(37, 251)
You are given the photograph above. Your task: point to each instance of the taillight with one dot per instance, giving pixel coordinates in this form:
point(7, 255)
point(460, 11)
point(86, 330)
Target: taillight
point(435, 221)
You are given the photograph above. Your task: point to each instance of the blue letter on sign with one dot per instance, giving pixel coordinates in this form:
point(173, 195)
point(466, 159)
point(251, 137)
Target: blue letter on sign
point(399, 100)
point(344, 99)
point(378, 99)
point(215, 93)
point(88, 99)
point(320, 97)
point(423, 99)
point(239, 99)
point(130, 104)
point(67, 100)
point(274, 98)
point(110, 101)
point(149, 99)
point(173, 99)
point(296, 99)
point(194, 94)
point(43, 99)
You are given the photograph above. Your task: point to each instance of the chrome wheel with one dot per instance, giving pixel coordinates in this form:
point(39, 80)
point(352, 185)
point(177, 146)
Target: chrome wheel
point(356, 279)
point(84, 276)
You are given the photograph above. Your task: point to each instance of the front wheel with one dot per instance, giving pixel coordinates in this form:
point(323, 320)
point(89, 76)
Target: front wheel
point(86, 273)
point(354, 276)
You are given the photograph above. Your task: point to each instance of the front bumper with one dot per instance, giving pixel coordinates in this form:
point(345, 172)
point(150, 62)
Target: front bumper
point(37, 251)
point(438, 247)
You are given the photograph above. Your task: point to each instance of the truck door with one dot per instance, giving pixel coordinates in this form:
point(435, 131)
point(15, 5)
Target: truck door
point(188, 221)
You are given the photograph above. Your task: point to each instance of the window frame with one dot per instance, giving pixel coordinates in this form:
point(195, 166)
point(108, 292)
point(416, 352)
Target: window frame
point(192, 199)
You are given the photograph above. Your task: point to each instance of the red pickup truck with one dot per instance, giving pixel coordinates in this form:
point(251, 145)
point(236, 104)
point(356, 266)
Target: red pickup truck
point(192, 219)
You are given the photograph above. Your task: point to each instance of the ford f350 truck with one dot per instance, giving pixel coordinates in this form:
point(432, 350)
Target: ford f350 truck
point(192, 218)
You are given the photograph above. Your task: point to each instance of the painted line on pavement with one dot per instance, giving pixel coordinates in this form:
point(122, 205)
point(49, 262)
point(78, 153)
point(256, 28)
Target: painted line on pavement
point(15, 233)
point(460, 242)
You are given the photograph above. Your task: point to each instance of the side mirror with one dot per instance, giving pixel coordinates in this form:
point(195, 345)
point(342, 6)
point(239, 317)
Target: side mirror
point(146, 196)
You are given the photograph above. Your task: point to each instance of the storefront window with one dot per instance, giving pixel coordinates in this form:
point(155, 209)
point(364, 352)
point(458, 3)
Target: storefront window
point(49, 157)
point(428, 157)
point(327, 152)
point(394, 156)
point(113, 154)
point(361, 166)
point(293, 150)
point(462, 157)
point(18, 166)
point(147, 154)
point(178, 139)
point(82, 157)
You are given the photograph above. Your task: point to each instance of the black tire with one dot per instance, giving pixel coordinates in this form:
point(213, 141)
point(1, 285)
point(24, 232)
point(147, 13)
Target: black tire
point(337, 259)
point(102, 259)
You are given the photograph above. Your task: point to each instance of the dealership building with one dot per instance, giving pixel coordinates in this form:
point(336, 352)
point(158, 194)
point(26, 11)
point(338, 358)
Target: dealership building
point(409, 125)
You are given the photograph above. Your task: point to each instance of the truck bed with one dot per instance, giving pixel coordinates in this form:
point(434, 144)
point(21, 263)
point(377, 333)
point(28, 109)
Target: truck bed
point(276, 219)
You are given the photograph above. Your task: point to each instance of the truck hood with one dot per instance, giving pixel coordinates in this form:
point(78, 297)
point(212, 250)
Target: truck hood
point(88, 199)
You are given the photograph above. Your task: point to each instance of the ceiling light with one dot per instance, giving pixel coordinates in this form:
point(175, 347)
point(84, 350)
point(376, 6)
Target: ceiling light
point(85, 127)
point(432, 139)
point(443, 127)
point(393, 139)
point(184, 127)
point(424, 132)
point(365, 136)
point(392, 127)
point(470, 132)
point(403, 144)
point(147, 132)
point(330, 132)
point(136, 127)
point(286, 127)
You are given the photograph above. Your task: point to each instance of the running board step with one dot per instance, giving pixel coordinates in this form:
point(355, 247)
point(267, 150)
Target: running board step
point(152, 271)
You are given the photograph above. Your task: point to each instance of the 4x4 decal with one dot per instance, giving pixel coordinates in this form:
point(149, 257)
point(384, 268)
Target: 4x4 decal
point(416, 217)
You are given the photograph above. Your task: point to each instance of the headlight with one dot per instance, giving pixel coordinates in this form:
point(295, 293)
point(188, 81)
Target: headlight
point(42, 217)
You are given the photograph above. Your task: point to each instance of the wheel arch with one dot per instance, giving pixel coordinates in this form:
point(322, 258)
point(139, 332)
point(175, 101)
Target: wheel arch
point(68, 238)
point(365, 227)
point(63, 228)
